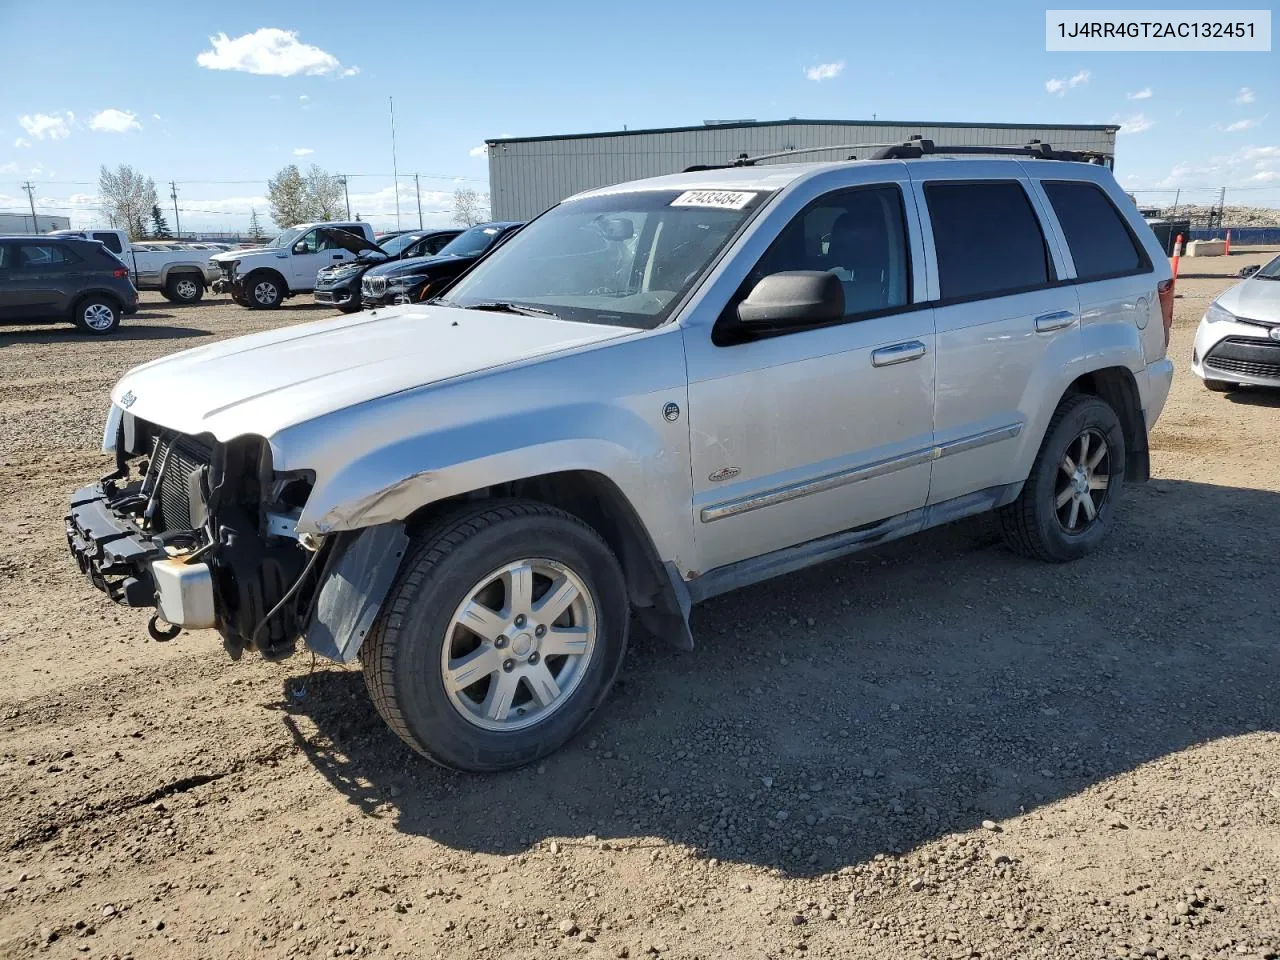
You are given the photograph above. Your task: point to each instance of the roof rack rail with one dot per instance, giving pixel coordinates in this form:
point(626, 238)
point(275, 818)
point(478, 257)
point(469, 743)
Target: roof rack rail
point(917, 146)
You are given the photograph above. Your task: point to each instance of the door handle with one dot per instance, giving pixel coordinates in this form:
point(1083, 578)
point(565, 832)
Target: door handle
point(337, 256)
point(898, 353)
point(1054, 321)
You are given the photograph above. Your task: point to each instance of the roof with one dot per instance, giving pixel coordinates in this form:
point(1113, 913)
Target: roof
point(795, 122)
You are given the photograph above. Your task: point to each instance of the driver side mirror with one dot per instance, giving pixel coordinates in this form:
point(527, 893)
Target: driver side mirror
point(793, 298)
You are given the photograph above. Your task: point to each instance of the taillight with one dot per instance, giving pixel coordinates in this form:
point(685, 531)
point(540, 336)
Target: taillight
point(1165, 291)
point(121, 273)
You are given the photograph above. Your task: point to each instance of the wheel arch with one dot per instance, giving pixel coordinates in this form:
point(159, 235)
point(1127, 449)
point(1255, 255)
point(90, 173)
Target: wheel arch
point(656, 595)
point(273, 273)
point(84, 295)
point(1117, 387)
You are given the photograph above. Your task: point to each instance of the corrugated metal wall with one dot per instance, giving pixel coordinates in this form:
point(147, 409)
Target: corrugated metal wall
point(527, 176)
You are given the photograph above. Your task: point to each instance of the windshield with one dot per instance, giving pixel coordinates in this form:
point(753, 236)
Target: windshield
point(470, 243)
point(285, 239)
point(625, 259)
point(1271, 271)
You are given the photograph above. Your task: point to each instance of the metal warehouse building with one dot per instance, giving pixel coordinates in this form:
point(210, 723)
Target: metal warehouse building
point(11, 223)
point(529, 174)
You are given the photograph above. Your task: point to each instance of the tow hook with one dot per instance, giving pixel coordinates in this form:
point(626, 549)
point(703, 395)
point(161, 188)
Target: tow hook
point(162, 634)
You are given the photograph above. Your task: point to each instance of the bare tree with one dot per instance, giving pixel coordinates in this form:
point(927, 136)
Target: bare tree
point(127, 198)
point(324, 189)
point(469, 207)
point(287, 195)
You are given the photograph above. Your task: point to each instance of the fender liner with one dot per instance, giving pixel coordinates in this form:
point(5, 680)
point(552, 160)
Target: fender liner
point(355, 582)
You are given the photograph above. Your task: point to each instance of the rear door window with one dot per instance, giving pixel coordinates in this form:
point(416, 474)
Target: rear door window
point(988, 239)
point(1101, 243)
point(39, 256)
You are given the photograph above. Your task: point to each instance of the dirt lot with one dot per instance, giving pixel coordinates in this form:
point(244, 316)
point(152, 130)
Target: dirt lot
point(934, 750)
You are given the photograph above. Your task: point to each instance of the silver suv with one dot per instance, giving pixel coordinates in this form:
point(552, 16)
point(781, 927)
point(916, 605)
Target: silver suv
point(654, 393)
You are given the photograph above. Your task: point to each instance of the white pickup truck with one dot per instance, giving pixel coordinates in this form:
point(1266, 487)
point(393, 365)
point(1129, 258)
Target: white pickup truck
point(262, 278)
point(179, 271)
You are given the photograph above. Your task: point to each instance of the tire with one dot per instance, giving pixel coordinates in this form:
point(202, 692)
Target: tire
point(460, 724)
point(351, 306)
point(1050, 519)
point(263, 291)
point(97, 315)
point(184, 288)
point(1221, 386)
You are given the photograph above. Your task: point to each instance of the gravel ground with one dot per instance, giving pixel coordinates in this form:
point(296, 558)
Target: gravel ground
point(934, 750)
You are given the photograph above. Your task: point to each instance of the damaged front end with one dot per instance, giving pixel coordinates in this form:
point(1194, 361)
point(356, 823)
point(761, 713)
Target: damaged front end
point(204, 531)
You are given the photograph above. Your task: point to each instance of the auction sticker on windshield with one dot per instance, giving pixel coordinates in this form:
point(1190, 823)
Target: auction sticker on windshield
point(722, 199)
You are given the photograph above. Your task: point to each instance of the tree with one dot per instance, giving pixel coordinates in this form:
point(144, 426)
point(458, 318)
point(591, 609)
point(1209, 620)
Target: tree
point(296, 198)
point(255, 228)
point(127, 198)
point(326, 194)
point(159, 226)
point(469, 207)
point(287, 194)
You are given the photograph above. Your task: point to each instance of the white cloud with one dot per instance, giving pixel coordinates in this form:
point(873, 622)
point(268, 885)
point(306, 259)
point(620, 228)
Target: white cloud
point(10, 167)
point(271, 52)
point(1060, 87)
point(22, 142)
point(480, 151)
point(1137, 123)
point(1252, 164)
point(1143, 94)
point(303, 96)
point(1245, 95)
point(824, 71)
point(55, 126)
point(1246, 124)
point(114, 121)
point(156, 116)
point(302, 151)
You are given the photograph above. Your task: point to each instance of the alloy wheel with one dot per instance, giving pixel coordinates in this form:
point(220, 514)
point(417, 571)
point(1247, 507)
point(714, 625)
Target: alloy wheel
point(519, 644)
point(1084, 481)
point(99, 316)
point(265, 292)
point(186, 289)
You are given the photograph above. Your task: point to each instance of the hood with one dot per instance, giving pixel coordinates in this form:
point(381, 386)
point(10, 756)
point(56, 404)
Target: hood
point(1254, 299)
point(416, 265)
point(229, 255)
point(265, 382)
point(351, 242)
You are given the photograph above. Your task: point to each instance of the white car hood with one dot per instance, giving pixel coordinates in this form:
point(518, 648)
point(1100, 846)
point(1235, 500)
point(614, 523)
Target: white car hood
point(1254, 300)
point(265, 382)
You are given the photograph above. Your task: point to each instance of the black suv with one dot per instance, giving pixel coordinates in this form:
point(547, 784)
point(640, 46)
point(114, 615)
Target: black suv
point(64, 278)
point(420, 278)
point(339, 285)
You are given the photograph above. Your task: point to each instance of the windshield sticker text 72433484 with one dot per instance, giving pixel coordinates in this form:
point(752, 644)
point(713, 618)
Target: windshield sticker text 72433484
point(723, 199)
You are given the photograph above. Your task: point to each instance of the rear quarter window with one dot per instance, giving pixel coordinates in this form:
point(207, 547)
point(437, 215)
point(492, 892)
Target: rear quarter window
point(988, 239)
point(1101, 243)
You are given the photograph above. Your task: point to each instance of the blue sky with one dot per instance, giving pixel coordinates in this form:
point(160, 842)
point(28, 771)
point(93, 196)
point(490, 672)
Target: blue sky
point(92, 83)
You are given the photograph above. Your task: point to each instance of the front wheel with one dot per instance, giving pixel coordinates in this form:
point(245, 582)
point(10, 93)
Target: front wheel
point(264, 291)
point(503, 633)
point(1069, 502)
point(351, 306)
point(1220, 386)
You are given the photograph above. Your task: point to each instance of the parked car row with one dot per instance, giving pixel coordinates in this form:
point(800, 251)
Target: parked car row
point(343, 264)
point(180, 271)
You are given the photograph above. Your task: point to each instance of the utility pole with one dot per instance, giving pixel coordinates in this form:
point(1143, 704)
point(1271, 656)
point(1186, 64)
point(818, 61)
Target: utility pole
point(177, 223)
point(1222, 205)
point(1176, 195)
point(345, 195)
point(395, 171)
point(31, 197)
point(418, 190)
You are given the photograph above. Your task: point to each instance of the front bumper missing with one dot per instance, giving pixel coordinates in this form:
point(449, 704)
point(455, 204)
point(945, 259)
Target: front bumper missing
point(131, 568)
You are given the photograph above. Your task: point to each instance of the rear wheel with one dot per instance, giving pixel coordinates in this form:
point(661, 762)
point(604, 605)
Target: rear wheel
point(184, 288)
point(264, 291)
point(1220, 386)
point(503, 633)
point(1069, 502)
point(97, 315)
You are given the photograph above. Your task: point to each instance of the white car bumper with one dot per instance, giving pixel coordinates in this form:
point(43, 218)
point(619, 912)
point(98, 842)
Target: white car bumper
point(1237, 353)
